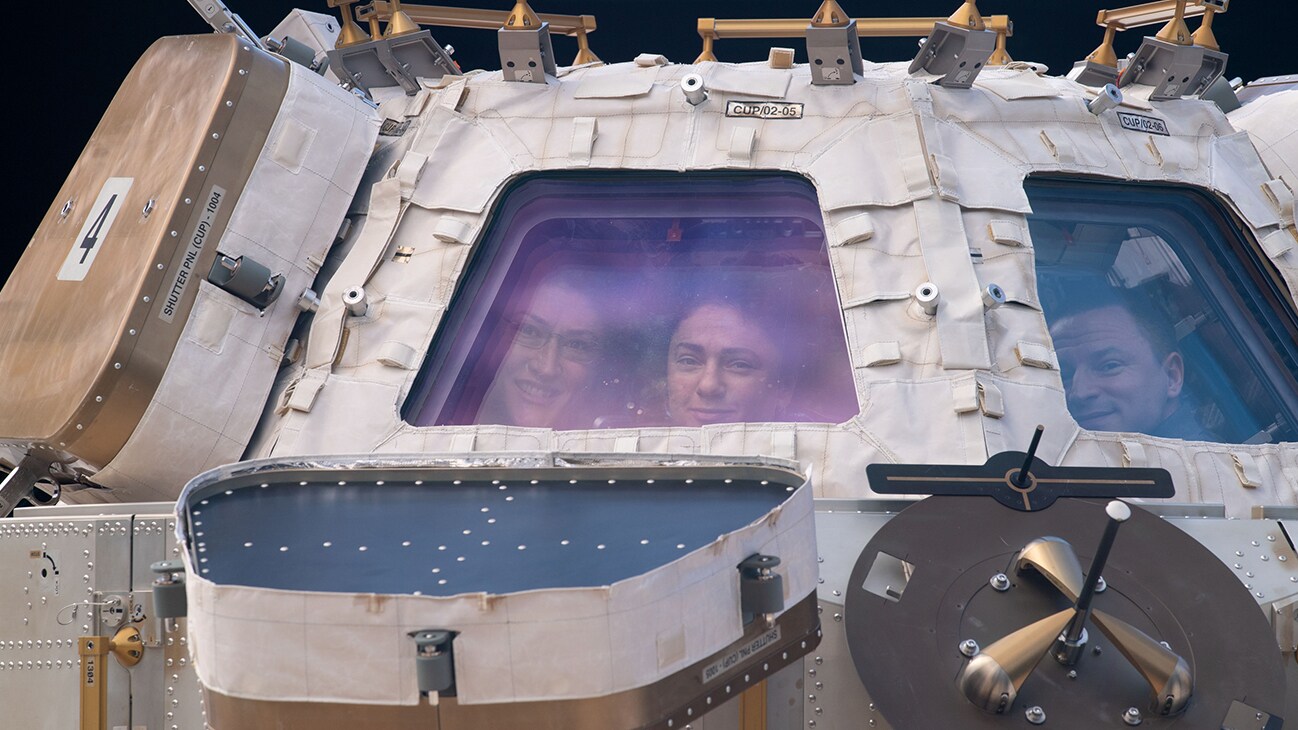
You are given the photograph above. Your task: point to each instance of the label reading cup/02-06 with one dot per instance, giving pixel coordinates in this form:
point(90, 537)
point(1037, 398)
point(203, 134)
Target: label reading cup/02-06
point(90, 239)
point(764, 109)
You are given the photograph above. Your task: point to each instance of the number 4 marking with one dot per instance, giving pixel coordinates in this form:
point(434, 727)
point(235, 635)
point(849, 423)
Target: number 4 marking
point(94, 231)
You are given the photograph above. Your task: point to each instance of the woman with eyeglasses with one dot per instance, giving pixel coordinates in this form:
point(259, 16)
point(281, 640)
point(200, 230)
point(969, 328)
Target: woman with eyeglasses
point(550, 362)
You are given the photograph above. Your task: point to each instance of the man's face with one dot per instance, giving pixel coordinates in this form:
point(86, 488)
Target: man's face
point(549, 361)
point(1113, 379)
point(722, 368)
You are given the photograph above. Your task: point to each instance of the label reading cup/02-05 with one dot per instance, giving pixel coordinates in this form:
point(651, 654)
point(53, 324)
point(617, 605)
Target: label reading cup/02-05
point(764, 109)
point(90, 239)
point(1141, 123)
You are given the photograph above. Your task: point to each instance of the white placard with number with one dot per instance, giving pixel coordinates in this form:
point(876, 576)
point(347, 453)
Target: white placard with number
point(86, 246)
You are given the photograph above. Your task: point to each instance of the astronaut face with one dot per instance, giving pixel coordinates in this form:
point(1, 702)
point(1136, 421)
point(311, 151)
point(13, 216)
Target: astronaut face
point(1113, 378)
point(722, 368)
point(549, 361)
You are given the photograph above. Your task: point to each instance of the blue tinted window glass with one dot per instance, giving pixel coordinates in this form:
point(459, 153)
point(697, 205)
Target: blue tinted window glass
point(1164, 319)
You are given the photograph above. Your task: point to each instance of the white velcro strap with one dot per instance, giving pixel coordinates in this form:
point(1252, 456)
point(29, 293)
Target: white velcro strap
point(1062, 150)
point(853, 229)
point(990, 400)
point(645, 60)
point(964, 395)
point(944, 173)
point(409, 170)
point(1133, 454)
point(741, 143)
point(463, 441)
point(302, 394)
point(784, 443)
point(1246, 469)
point(1278, 243)
point(452, 230)
point(1005, 232)
point(1281, 197)
point(881, 353)
point(1036, 355)
point(398, 355)
point(626, 444)
point(584, 132)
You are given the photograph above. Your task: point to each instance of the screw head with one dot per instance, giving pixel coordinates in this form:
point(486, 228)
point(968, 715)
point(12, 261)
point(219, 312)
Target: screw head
point(1132, 716)
point(969, 647)
point(1000, 582)
point(1035, 715)
point(1100, 585)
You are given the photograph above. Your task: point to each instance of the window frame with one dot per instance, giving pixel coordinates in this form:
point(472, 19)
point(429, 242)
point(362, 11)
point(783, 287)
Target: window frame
point(482, 257)
point(1243, 269)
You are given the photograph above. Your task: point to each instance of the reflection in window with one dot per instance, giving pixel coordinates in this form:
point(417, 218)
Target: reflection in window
point(629, 301)
point(1163, 321)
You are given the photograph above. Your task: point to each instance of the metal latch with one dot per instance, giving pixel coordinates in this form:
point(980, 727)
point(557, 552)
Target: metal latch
point(434, 661)
point(246, 279)
point(761, 589)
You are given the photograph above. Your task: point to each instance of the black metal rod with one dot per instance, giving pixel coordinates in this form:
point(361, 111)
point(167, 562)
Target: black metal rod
point(1021, 479)
point(1093, 576)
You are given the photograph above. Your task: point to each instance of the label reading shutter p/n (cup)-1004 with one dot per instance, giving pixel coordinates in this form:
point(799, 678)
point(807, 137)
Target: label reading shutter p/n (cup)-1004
point(194, 247)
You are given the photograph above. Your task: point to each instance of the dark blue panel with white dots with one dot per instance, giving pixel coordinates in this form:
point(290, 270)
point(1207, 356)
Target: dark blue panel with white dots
point(448, 537)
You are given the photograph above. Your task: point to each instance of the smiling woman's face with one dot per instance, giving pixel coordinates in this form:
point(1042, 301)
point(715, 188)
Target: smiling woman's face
point(722, 368)
point(548, 362)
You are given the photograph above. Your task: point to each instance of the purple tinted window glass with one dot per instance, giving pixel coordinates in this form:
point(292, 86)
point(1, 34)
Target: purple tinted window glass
point(622, 302)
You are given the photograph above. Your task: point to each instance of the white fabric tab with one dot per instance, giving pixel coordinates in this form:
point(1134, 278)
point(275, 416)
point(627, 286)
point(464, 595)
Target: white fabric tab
point(881, 353)
point(1133, 454)
point(853, 229)
point(945, 175)
point(1281, 197)
point(409, 170)
point(990, 400)
point(453, 96)
point(1005, 232)
point(741, 143)
point(784, 443)
point(464, 441)
point(398, 355)
point(584, 132)
point(749, 81)
point(1278, 243)
point(1062, 149)
point(1250, 477)
point(301, 395)
point(1036, 355)
point(453, 230)
point(614, 82)
point(964, 395)
point(651, 59)
point(292, 145)
point(626, 444)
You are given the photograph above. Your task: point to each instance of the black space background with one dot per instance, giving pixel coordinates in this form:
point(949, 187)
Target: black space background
point(64, 61)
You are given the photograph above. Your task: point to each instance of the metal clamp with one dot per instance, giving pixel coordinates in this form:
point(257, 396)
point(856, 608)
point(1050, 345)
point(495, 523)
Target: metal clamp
point(761, 590)
point(434, 661)
point(170, 600)
point(250, 281)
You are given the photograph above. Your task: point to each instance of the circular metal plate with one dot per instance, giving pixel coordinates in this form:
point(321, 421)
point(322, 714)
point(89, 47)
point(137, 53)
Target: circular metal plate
point(1159, 579)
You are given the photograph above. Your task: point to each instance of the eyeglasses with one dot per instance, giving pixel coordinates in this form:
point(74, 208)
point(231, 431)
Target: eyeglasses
point(575, 348)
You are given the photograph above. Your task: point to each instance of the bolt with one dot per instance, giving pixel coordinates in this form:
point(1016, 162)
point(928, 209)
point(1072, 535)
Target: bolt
point(969, 647)
point(1035, 715)
point(1100, 585)
point(1000, 582)
point(1132, 716)
point(1072, 674)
